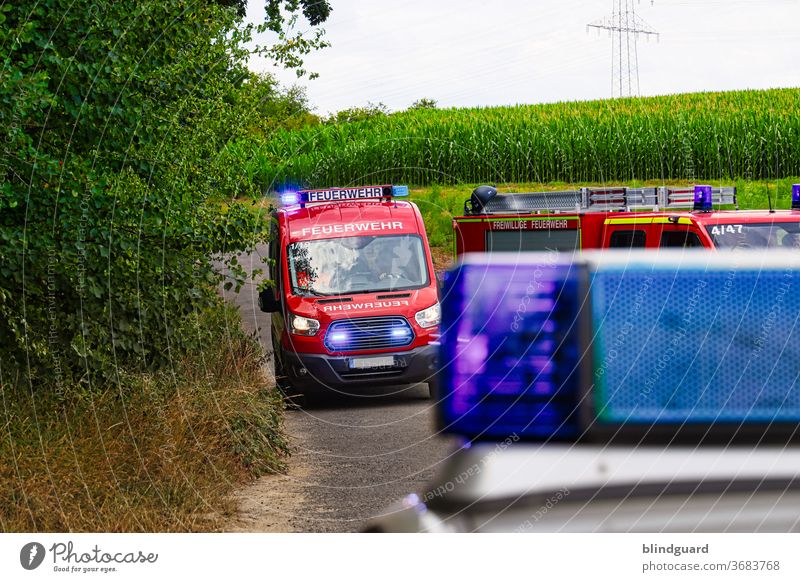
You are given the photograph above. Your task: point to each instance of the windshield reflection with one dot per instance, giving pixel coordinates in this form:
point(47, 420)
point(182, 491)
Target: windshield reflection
point(359, 264)
point(756, 235)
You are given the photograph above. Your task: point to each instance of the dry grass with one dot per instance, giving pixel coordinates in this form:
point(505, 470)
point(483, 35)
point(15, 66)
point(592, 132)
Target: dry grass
point(150, 452)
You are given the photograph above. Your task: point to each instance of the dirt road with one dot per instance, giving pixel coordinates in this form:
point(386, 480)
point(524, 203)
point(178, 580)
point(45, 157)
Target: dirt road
point(351, 456)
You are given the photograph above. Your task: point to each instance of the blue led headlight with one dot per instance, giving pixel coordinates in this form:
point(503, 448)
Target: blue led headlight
point(642, 347)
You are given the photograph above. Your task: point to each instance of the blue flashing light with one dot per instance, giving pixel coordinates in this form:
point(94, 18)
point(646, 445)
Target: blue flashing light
point(600, 350)
point(338, 337)
point(401, 332)
point(512, 359)
point(795, 196)
point(705, 347)
point(399, 191)
point(703, 198)
point(290, 198)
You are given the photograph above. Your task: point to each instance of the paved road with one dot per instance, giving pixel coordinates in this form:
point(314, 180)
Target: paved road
point(352, 456)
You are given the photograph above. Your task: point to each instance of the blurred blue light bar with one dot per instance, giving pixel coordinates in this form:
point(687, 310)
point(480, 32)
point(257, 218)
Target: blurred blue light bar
point(511, 344)
point(634, 346)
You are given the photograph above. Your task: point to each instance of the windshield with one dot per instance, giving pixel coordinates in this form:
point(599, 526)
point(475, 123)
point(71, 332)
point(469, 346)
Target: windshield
point(357, 264)
point(756, 235)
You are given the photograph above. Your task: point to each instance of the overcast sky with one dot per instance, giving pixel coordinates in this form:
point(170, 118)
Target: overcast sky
point(497, 52)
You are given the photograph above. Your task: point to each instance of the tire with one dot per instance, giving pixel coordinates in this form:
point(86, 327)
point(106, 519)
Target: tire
point(283, 383)
point(294, 398)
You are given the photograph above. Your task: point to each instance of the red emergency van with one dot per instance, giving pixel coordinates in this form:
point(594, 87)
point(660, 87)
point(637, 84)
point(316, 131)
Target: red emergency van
point(620, 217)
point(355, 301)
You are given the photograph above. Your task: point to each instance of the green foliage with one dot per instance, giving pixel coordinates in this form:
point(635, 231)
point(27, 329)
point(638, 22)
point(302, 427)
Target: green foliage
point(740, 134)
point(116, 120)
point(292, 46)
point(423, 103)
point(355, 114)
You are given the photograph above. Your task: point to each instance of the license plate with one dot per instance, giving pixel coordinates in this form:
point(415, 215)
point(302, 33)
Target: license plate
point(366, 363)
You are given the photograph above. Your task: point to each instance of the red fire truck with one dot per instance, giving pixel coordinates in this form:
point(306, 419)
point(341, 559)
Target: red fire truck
point(619, 217)
point(355, 300)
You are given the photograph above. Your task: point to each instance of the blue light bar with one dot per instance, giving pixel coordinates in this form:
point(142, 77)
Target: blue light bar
point(703, 198)
point(349, 194)
point(289, 199)
point(511, 343)
point(639, 347)
point(795, 196)
point(696, 347)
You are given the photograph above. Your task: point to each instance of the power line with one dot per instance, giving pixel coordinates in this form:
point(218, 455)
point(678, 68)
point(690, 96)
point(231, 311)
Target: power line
point(624, 27)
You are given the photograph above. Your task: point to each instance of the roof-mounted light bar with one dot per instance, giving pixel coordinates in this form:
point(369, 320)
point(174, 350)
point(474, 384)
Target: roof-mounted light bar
point(795, 196)
point(593, 199)
point(342, 194)
point(653, 346)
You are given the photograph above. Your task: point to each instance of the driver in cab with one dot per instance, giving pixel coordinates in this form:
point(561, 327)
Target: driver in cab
point(374, 261)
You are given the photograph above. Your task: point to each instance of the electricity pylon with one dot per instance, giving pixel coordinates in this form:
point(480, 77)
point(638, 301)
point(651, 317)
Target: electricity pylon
point(624, 26)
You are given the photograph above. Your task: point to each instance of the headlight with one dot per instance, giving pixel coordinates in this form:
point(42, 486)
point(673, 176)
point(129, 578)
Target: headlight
point(303, 325)
point(429, 317)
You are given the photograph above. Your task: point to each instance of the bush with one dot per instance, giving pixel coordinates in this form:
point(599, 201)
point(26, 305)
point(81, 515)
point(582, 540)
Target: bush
point(115, 119)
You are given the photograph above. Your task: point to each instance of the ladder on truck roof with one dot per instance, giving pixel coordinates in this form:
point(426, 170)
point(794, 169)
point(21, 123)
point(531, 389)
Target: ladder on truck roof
point(609, 199)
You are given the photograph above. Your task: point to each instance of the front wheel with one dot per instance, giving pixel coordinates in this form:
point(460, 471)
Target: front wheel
point(293, 397)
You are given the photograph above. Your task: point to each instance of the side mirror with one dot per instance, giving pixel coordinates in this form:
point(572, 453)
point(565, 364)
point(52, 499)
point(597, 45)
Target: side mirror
point(267, 302)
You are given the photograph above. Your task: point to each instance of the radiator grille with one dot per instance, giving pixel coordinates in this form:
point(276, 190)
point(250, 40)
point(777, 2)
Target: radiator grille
point(368, 333)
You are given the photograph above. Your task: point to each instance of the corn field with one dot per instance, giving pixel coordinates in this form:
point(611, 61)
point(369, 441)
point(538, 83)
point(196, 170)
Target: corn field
point(751, 135)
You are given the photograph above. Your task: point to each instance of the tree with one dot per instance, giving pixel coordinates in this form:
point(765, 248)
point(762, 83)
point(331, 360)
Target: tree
point(113, 119)
point(423, 103)
point(353, 114)
point(316, 11)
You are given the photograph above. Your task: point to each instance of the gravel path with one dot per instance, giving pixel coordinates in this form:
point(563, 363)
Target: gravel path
point(351, 456)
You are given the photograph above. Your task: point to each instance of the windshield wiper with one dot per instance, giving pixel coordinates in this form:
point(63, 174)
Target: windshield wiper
point(312, 292)
point(363, 291)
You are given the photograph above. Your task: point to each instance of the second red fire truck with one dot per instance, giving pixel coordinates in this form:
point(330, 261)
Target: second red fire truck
point(619, 217)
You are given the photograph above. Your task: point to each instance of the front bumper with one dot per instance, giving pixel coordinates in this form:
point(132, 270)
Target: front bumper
point(312, 370)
